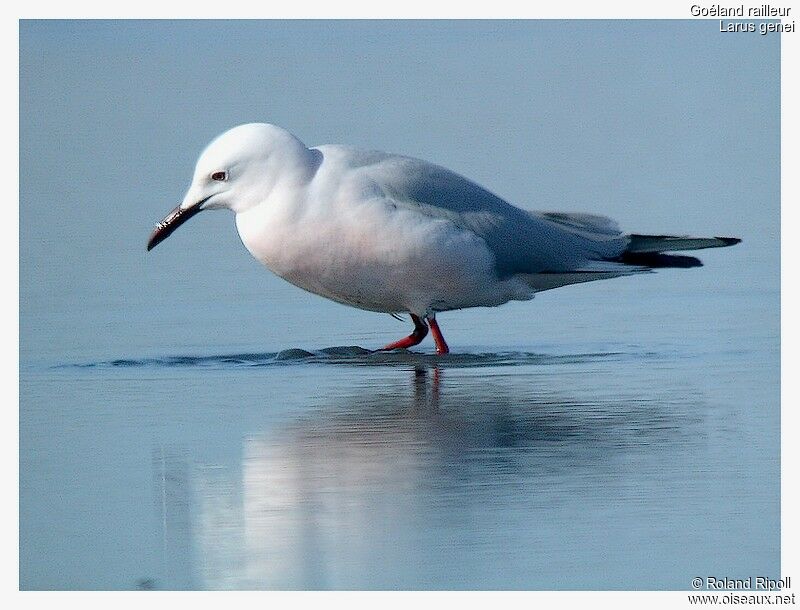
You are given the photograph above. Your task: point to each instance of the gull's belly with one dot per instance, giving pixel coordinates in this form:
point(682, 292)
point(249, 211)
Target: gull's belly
point(382, 261)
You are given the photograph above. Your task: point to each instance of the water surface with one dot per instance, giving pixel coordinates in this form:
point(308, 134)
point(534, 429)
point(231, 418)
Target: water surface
point(348, 469)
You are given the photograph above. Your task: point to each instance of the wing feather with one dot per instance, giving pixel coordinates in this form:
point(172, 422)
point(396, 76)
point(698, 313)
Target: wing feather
point(523, 242)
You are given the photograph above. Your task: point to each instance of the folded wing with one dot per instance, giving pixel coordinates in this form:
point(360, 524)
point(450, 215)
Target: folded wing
point(550, 249)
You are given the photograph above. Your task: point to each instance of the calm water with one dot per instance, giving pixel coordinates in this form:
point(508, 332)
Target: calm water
point(189, 421)
point(582, 464)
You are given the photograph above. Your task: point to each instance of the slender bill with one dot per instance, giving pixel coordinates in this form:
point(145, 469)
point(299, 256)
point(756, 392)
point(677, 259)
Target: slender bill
point(171, 222)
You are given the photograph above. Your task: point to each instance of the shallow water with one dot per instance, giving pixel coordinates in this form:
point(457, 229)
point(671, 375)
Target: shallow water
point(185, 423)
point(343, 468)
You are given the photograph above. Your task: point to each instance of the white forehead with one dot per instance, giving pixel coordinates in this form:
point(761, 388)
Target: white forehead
point(242, 144)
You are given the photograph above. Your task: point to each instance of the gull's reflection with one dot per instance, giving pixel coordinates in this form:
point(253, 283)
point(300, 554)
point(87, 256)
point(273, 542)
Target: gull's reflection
point(388, 486)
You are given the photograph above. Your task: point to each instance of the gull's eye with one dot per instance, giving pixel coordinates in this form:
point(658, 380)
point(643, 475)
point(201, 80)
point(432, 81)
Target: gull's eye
point(219, 176)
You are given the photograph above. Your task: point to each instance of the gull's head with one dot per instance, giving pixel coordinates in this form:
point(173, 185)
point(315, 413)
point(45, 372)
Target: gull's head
point(237, 171)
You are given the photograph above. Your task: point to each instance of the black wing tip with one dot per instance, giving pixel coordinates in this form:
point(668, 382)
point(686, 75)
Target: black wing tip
point(658, 260)
point(729, 241)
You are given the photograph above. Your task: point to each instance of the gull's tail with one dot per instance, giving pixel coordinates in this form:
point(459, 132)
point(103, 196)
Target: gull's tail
point(648, 250)
point(628, 255)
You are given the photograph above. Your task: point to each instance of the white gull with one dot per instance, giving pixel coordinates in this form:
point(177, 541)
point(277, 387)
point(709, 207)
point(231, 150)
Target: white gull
point(394, 234)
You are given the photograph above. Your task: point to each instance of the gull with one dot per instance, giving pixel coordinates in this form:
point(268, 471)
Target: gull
point(395, 234)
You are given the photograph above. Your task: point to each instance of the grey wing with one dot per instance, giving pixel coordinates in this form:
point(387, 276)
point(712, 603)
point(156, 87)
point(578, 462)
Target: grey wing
point(523, 242)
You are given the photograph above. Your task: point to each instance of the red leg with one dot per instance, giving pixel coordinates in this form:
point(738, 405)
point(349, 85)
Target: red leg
point(438, 339)
point(417, 335)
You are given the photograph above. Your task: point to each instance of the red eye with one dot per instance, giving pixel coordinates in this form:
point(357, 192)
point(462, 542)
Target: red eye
point(219, 176)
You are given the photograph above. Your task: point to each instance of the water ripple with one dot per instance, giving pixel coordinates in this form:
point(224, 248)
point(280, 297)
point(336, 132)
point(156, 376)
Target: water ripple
point(356, 356)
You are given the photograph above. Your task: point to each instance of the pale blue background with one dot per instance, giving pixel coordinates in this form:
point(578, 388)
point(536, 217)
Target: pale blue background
point(667, 126)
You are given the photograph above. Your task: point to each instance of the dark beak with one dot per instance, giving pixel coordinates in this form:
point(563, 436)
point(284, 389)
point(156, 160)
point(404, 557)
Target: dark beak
point(171, 222)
